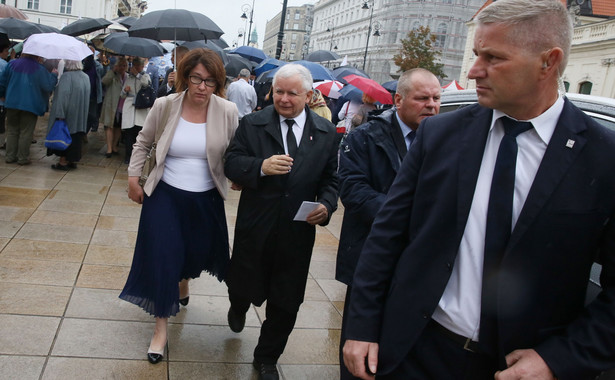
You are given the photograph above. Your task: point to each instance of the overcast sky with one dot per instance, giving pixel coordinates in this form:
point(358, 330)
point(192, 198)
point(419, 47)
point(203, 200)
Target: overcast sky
point(227, 13)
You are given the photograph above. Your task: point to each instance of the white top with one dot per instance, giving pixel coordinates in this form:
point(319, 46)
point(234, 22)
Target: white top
point(460, 305)
point(243, 95)
point(298, 126)
point(186, 166)
point(348, 110)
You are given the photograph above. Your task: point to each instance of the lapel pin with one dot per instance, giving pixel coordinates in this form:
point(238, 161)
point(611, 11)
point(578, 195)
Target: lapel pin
point(310, 138)
point(569, 143)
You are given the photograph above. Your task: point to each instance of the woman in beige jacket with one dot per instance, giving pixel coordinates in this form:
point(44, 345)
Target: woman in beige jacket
point(111, 114)
point(182, 230)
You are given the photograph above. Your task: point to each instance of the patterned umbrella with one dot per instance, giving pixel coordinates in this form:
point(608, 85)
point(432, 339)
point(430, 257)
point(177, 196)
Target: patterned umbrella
point(329, 88)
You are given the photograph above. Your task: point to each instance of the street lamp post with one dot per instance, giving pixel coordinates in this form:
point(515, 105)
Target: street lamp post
point(241, 32)
point(369, 29)
point(246, 8)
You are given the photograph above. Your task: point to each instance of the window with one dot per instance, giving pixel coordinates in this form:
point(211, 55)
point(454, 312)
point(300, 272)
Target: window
point(293, 46)
point(441, 35)
point(295, 26)
point(294, 37)
point(585, 88)
point(297, 16)
point(32, 4)
point(65, 6)
point(567, 86)
point(291, 57)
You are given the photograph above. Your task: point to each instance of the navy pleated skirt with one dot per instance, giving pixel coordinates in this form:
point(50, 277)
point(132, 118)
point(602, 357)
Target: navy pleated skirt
point(181, 234)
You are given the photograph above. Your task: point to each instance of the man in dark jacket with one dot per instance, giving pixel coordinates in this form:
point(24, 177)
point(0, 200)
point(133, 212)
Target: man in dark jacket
point(281, 157)
point(168, 85)
point(369, 160)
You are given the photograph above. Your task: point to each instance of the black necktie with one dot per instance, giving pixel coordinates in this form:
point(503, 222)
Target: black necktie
point(499, 226)
point(291, 141)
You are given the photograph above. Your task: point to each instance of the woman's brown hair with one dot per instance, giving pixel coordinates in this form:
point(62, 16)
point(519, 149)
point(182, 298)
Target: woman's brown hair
point(212, 63)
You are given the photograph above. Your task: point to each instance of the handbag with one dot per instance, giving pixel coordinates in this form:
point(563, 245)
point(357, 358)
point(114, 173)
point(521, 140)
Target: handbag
point(150, 158)
point(145, 98)
point(58, 137)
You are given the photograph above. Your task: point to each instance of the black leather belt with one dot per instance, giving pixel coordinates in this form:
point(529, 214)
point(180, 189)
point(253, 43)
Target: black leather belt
point(466, 343)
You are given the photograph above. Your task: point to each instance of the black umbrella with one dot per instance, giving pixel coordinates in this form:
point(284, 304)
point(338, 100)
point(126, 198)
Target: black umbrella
point(20, 29)
point(321, 56)
point(220, 42)
point(48, 29)
point(343, 71)
point(126, 21)
point(4, 39)
point(121, 43)
point(207, 45)
point(175, 24)
point(236, 63)
point(85, 25)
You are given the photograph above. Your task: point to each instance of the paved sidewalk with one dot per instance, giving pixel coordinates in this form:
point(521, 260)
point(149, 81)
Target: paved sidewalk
point(66, 242)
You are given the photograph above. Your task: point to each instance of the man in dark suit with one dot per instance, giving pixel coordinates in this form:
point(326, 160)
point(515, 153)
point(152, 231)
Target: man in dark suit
point(281, 157)
point(168, 85)
point(370, 157)
point(477, 264)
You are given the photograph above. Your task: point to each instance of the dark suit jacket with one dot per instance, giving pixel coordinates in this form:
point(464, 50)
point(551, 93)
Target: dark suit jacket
point(268, 204)
point(370, 157)
point(567, 222)
point(162, 90)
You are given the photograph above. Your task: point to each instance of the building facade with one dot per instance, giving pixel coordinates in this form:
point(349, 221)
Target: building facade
point(59, 13)
point(351, 24)
point(297, 31)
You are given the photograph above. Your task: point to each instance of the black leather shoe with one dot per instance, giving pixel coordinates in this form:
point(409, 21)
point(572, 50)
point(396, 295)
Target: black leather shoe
point(184, 301)
point(236, 321)
point(266, 371)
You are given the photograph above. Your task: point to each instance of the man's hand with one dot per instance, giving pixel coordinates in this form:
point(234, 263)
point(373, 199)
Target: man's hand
point(135, 192)
point(319, 215)
point(171, 79)
point(236, 186)
point(355, 353)
point(525, 364)
point(127, 89)
point(277, 165)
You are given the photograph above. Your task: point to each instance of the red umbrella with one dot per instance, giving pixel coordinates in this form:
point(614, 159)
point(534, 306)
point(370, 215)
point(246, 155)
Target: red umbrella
point(371, 88)
point(329, 88)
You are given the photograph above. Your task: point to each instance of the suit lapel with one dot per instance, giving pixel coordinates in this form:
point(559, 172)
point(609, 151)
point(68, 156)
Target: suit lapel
point(398, 137)
point(473, 133)
point(273, 129)
point(555, 164)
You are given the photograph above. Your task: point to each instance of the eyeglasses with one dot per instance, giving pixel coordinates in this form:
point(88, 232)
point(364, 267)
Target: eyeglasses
point(290, 94)
point(209, 82)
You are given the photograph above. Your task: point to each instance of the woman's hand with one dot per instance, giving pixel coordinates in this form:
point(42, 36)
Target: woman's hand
point(135, 192)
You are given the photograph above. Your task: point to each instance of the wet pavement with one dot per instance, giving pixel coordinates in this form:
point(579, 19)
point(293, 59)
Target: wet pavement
point(66, 241)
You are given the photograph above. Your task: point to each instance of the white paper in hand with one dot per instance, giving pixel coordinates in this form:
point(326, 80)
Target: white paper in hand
point(305, 209)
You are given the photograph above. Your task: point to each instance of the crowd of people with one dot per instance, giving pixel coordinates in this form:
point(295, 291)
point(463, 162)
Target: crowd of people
point(467, 237)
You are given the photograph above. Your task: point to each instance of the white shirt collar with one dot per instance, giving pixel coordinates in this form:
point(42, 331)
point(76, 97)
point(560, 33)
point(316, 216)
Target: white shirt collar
point(544, 124)
point(299, 119)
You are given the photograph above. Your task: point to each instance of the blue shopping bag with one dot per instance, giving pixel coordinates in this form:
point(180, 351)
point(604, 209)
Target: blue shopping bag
point(58, 137)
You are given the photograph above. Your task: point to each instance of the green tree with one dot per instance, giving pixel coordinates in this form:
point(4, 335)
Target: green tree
point(418, 51)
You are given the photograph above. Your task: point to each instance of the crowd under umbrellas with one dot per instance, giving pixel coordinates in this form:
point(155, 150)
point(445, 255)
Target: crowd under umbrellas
point(143, 37)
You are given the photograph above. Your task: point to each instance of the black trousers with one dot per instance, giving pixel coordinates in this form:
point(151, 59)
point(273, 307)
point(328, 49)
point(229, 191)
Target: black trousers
point(435, 356)
point(278, 325)
point(130, 137)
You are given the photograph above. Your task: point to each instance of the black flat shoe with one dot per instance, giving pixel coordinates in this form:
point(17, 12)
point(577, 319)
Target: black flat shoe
point(154, 358)
point(184, 301)
point(108, 155)
point(236, 321)
point(266, 371)
point(60, 167)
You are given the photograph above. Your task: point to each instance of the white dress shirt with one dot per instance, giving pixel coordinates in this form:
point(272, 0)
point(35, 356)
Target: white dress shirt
point(243, 95)
point(460, 306)
point(298, 126)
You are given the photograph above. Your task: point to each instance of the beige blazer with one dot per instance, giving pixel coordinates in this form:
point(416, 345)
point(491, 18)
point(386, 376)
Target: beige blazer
point(222, 120)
